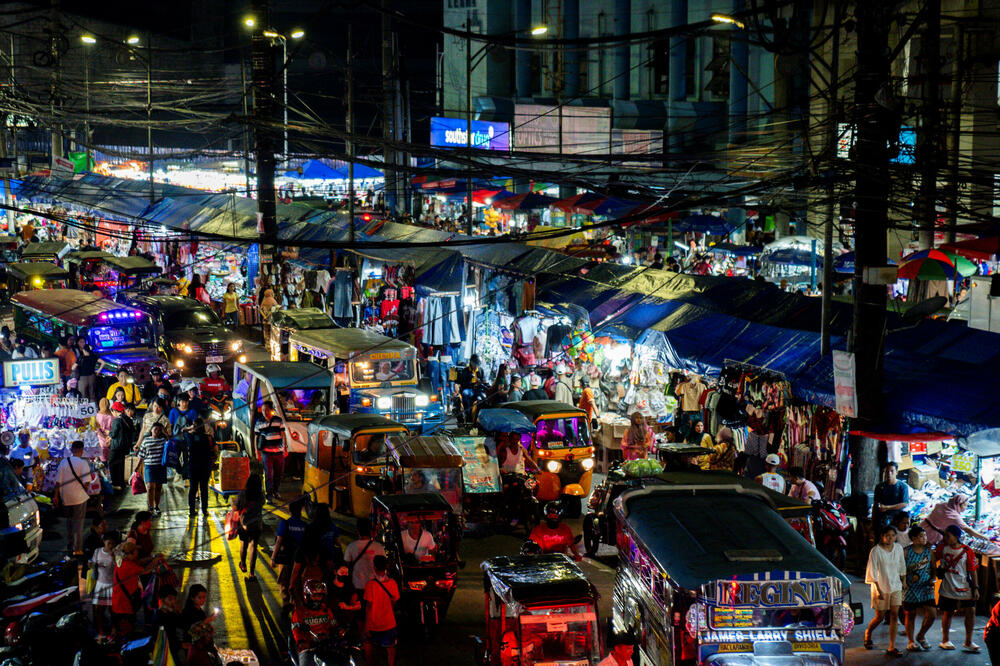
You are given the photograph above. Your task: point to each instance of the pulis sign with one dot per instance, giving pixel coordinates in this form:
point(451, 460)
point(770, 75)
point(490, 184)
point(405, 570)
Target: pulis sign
point(31, 372)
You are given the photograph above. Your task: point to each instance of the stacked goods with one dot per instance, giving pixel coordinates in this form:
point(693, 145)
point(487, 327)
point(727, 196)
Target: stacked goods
point(642, 467)
point(234, 472)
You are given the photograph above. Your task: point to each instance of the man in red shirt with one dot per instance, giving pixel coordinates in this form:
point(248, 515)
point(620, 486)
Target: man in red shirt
point(554, 536)
point(214, 383)
point(381, 595)
point(312, 619)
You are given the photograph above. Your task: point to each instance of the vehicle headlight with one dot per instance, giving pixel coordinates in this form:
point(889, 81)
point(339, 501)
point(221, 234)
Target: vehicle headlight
point(553, 466)
point(587, 464)
point(187, 349)
point(235, 346)
point(422, 401)
point(383, 402)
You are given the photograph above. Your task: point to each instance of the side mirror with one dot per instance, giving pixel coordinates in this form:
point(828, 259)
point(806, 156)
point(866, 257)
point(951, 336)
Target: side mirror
point(340, 489)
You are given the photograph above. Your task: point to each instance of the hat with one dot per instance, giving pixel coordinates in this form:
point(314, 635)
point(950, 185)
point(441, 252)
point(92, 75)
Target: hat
point(954, 530)
point(118, 407)
point(561, 369)
point(535, 381)
point(772, 459)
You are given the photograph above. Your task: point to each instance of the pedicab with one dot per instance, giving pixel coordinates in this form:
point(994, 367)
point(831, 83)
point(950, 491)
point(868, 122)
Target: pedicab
point(345, 456)
point(420, 533)
point(561, 449)
point(511, 501)
point(540, 609)
point(424, 464)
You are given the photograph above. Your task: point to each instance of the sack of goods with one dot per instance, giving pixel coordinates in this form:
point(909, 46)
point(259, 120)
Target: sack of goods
point(642, 467)
point(234, 472)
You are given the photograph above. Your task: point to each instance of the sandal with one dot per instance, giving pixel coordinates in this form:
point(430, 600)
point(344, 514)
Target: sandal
point(243, 567)
point(893, 652)
point(924, 644)
point(947, 646)
point(973, 648)
point(913, 647)
point(869, 645)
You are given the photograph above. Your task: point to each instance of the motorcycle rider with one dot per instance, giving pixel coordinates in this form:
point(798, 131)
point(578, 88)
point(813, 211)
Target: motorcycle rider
point(214, 383)
point(554, 536)
point(312, 620)
point(472, 384)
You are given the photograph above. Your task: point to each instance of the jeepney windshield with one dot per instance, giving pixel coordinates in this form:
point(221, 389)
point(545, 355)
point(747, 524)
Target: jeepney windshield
point(561, 433)
point(119, 336)
point(564, 635)
point(444, 480)
point(304, 404)
point(383, 366)
point(808, 617)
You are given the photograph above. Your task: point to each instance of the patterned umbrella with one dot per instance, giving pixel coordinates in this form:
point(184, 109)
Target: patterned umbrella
point(983, 249)
point(927, 265)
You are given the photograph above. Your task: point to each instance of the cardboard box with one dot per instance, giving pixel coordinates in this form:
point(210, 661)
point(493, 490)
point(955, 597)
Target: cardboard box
point(921, 474)
point(934, 447)
point(906, 462)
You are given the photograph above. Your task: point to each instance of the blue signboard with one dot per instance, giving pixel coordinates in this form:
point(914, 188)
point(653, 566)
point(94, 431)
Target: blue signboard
point(451, 133)
point(31, 372)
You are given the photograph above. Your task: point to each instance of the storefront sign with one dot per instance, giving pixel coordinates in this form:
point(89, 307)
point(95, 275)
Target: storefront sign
point(453, 133)
point(963, 462)
point(31, 372)
point(845, 383)
point(775, 594)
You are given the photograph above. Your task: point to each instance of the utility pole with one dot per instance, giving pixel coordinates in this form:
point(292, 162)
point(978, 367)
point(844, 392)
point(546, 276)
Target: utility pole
point(871, 162)
point(468, 122)
point(930, 128)
point(349, 126)
point(957, 80)
point(54, 79)
point(246, 128)
point(388, 111)
point(831, 189)
point(262, 74)
point(149, 112)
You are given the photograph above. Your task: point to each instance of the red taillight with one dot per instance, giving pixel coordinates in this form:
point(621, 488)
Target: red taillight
point(366, 217)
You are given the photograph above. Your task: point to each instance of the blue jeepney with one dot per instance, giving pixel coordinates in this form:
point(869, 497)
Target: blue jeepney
point(374, 374)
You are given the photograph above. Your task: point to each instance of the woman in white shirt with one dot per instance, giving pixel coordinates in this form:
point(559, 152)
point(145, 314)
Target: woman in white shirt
point(103, 561)
point(886, 574)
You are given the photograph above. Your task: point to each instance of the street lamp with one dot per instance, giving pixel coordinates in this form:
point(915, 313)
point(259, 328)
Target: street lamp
point(731, 20)
point(270, 33)
point(536, 31)
point(88, 40)
point(132, 40)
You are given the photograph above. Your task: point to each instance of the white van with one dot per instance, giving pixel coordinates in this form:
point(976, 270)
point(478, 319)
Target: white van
point(19, 512)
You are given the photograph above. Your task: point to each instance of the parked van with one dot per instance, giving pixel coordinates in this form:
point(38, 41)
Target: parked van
point(19, 512)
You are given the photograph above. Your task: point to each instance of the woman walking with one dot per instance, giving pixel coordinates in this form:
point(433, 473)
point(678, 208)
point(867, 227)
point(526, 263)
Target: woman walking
point(122, 439)
point(638, 438)
point(250, 503)
point(230, 306)
point(201, 454)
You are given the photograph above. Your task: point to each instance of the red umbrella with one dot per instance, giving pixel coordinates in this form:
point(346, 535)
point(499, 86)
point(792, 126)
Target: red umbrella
point(650, 214)
point(979, 249)
point(571, 204)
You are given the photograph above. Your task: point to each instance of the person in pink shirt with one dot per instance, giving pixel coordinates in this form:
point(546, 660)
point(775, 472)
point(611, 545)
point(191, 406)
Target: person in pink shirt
point(638, 438)
point(948, 513)
point(103, 420)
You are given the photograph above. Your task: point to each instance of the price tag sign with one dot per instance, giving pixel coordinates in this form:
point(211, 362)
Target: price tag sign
point(86, 409)
point(963, 462)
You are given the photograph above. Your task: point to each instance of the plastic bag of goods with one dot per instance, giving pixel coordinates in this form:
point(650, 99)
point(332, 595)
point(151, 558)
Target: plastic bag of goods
point(642, 467)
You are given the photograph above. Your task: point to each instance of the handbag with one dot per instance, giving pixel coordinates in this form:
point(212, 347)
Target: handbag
point(91, 580)
point(134, 598)
point(93, 487)
point(233, 523)
point(171, 454)
point(137, 482)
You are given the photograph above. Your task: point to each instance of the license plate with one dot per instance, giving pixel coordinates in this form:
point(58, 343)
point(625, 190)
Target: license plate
point(213, 359)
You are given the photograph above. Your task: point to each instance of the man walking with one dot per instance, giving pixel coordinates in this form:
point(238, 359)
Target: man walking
point(73, 479)
point(381, 595)
point(890, 496)
point(271, 440)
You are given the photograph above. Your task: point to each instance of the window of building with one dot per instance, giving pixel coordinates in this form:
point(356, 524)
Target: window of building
point(718, 69)
point(691, 67)
point(660, 67)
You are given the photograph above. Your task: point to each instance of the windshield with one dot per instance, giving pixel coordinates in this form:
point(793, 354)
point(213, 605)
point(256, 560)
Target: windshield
point(562, 433)
point(444, 480)
point(369, 449)
point(564, 635)
point(119, 336)
point(384, 366)
point(431, 543)
point(728, 617)
point(305, 404)
point(194, 317)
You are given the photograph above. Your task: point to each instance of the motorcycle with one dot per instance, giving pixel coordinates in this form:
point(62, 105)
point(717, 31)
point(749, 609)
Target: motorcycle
point(831, 526)
point(521, 504)
point(335, 649)
point(220, 417)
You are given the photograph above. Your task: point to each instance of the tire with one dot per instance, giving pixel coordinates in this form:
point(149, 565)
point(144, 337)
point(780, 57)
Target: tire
point(591, 540)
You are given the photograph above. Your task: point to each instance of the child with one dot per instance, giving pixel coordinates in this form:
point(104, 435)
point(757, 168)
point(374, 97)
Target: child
point(919, 593)
point(885, 573)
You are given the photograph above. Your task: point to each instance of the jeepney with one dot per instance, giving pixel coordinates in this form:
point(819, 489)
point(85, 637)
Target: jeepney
point(122, 337)
point(127, 273)
point(299, 392)
point(374, 374)
point(284, 322)
point(24, 276)
point(713, 575)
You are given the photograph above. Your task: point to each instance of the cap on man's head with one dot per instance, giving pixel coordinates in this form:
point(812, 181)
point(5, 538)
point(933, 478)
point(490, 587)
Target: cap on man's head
point(536, 381)
point(772, 459)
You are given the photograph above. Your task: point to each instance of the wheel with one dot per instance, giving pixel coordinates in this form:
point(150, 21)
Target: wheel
point(591, 540)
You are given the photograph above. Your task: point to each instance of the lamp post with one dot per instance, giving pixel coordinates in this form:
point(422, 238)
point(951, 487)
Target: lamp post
point(88, 40)
point(132, 42)
point(536, 31)
point(274, 34)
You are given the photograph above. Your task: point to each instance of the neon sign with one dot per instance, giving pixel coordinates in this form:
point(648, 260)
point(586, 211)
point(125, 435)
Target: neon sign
point(775, 594)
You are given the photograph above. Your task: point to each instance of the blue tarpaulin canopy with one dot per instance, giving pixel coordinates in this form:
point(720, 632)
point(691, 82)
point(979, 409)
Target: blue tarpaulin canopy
point(705, 224)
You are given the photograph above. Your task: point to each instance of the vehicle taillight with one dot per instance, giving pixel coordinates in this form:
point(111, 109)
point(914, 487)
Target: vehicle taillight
point(434, 398)
point(417, 584)
point(446, 583)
